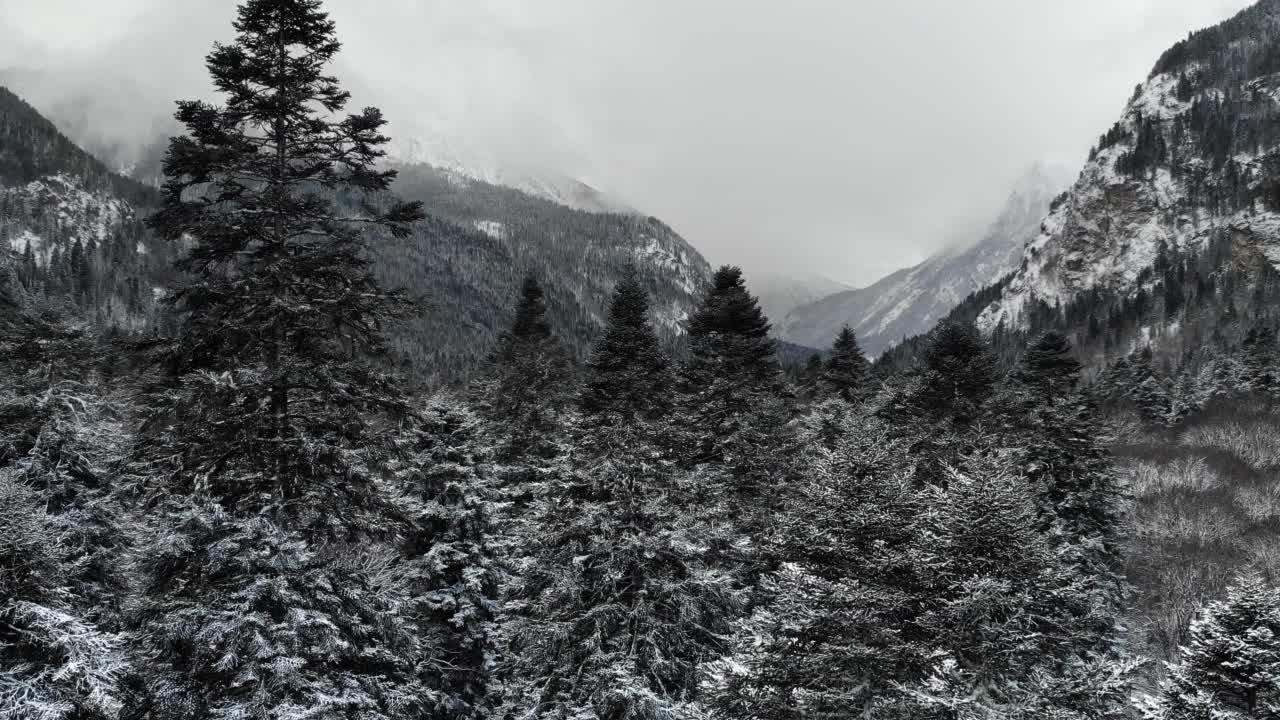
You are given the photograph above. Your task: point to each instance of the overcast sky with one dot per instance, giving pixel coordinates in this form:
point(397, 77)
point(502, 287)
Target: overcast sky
point(841, 137)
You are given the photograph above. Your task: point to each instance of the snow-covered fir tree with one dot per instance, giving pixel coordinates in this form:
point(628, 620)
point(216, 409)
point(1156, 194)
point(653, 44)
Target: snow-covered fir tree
point(55, 662)
point(266, 458)
point(846, 371)
point(628, 375)
point(731, 385)
point(526, 384)
point(619, 601)
point(1230, 668)
point(451, 578)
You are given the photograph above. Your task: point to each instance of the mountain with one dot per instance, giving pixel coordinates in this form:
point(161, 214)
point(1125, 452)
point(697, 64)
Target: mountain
point(128, 127)
point(71, 228)
point(468, 258)
point(1193, 160)
point(780, 292)
point(910, 301)
point(465, 165)
point(465, 261)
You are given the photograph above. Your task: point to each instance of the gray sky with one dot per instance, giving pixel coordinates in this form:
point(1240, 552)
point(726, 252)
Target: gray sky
point(840, 137)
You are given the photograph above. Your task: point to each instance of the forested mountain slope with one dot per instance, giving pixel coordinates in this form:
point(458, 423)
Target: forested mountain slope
point(75, 227)
point(1160, 265)
point(72, 228)
point(468, 258)
point(1193, 160)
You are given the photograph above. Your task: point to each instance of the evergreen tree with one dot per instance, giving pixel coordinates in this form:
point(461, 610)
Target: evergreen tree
point(731, 384)
point(265, 459)
point(1148, 390)
point(847, 372)
point(452, 579)
point(843, 625)
point(1057, 432)
point(57, 663)
point(1259, 360)
point(619, 600)
point(958, 376)
point(810, 380)
point(897, 599)
point(1231, 667)
point(627, 375)
point(524, 389)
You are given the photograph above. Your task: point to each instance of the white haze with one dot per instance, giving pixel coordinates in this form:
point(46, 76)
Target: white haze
point(838, 138)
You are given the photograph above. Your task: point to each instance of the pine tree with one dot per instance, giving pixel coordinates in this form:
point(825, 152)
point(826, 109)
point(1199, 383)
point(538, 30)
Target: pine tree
point(265, 459)
point(1008, 617)
point(525, 387)
point(898, 599)
point(619, 600)
point(810, 378)
point(1058, 435)
point(1259, 360)
point(1231, 667)
point(628, 376)
point(1148, 390)
point(452, 576)
point(958, 377)
point(57, 663)
point(847, 372)
point(843, 625)
point(731, 385)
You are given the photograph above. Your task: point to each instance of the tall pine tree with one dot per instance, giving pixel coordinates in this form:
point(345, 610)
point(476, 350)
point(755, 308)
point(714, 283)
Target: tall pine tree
point(1231, 667)
point(846, 372)
point(628, 375)
point(525, 387)
point(266, 456)
point(732, 384)
point(959, 375)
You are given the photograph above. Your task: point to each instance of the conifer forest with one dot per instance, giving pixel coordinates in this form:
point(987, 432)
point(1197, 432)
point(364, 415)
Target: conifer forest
point(293, 428)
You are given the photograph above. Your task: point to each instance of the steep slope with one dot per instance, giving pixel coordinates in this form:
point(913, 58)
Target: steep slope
point(910, 301)
point(72, 229)
point(1195, 157)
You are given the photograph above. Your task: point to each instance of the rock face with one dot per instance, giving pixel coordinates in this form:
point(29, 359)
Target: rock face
point(910, 301)
point(1195, 155)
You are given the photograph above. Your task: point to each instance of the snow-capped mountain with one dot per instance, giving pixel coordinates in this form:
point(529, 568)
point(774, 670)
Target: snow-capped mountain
point(1195, 157)
point(910, 301)
point(465, 164)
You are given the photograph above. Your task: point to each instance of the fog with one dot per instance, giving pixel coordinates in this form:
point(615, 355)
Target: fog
point(837, 138)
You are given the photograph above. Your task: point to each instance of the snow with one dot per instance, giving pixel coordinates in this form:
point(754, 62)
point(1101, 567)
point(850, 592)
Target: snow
point(60, 211)
point(19, 243)
point(492, 228)
point(463, 164)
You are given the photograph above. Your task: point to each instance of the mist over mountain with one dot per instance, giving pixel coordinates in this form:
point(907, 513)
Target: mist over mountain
point(910, 301)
